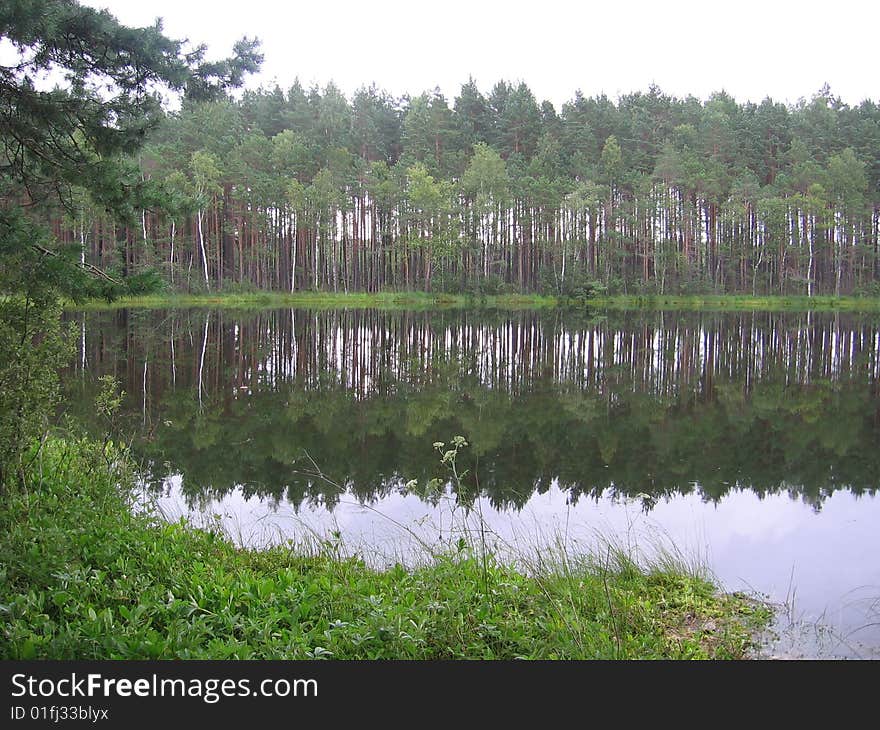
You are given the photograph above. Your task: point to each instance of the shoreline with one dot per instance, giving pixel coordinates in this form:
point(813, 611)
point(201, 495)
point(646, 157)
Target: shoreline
point(108, 580)
point(512, 302)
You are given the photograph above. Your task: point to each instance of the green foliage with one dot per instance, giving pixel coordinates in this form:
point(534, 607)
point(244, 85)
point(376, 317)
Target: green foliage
point(73, 135)
point(206, 176)
point(611, 160)
point(87, 577)
point(486, 178)
point(32, 350)
point(429, 210)
point(109, 398)
point(578, 286)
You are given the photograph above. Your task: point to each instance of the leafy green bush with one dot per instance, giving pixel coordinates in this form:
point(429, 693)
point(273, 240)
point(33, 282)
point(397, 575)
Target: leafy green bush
point(32, 350)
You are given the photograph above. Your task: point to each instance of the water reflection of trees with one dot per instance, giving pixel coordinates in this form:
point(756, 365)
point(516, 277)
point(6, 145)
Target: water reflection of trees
point(628, 404)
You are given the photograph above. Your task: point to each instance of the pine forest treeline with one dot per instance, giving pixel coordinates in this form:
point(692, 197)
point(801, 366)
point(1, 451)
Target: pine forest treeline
point(492, 193)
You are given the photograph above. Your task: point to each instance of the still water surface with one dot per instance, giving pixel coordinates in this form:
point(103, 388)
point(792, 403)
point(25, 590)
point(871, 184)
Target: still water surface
point(746, 442)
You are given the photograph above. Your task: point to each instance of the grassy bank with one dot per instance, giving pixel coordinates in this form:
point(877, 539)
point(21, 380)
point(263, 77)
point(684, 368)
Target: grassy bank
point(423, 300)
point(326, 300)
point(85, 576)
point(739, 303)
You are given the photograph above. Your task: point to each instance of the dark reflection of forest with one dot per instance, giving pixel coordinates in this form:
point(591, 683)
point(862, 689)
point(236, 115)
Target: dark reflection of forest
point(648, 404)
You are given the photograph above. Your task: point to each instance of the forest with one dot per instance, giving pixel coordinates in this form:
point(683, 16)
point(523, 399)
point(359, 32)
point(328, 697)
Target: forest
point(307, 190)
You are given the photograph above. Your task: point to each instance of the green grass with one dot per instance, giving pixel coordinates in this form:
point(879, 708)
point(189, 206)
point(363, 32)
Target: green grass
point(738, 302)
point(84, 576)
point(425, 301)
point(325, 300)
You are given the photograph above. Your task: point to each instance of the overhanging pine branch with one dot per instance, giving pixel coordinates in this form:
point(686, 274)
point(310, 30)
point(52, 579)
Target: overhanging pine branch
point(84, 265)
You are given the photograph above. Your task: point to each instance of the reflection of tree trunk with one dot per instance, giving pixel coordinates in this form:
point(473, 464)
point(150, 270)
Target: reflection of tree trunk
point(144, 392)
point(173, 361)
point(202, 358)
point(83, 343)
point(809, 347)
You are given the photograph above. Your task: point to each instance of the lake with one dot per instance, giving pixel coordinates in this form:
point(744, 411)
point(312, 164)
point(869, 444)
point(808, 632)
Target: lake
point(743, 442)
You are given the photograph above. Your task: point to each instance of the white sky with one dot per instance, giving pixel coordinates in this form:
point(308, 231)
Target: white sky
point(750, 48)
